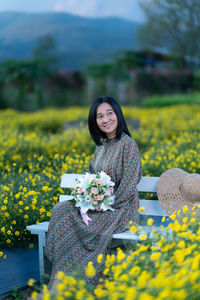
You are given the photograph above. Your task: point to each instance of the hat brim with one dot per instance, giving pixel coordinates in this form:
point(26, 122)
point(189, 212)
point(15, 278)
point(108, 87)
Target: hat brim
point(168, 190)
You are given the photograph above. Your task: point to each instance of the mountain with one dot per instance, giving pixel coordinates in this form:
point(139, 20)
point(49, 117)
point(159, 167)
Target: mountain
point(80, 41)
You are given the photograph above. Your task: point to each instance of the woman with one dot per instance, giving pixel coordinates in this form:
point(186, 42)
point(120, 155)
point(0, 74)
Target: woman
point(71, 244)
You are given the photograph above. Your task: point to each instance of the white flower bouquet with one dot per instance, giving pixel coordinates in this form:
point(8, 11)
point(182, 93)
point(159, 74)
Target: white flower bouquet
point(94, 192)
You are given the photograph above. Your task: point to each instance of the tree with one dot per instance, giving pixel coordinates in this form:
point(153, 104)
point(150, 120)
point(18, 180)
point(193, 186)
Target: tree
point(20, 75)
point(173, 25)
point(45, 53)
point(46, 57)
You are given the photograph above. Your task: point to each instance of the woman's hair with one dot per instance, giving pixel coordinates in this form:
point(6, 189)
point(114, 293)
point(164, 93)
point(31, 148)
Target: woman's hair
point(95, 132)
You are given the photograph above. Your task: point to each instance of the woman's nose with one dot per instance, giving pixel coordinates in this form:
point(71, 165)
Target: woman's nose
point(105, 118)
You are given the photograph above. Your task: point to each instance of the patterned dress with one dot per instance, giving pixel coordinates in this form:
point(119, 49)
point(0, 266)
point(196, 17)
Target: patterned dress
point(70, 243)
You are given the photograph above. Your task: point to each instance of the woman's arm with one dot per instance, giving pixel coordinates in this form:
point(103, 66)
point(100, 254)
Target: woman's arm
point(132, 172)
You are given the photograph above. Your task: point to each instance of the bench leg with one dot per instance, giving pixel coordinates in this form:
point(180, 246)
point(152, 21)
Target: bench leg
point(41, 241)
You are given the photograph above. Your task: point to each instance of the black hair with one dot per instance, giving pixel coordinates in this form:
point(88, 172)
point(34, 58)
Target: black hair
point(95, 132)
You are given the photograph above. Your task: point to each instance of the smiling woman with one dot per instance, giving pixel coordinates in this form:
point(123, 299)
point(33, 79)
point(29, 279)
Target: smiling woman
point(118, 156)
point(107, 120)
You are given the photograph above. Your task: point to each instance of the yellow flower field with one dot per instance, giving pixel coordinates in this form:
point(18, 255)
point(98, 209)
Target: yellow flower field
point(35, 151)
point(166, 267)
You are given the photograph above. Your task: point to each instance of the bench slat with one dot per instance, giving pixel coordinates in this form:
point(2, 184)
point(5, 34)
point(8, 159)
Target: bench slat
point(128, 235)
point(148, 184)
point(152, 208)
point(37, 228)
point(68, 180)
point(65, 198)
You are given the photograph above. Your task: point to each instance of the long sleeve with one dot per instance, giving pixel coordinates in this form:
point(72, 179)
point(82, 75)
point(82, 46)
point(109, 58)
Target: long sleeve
point(131, 172)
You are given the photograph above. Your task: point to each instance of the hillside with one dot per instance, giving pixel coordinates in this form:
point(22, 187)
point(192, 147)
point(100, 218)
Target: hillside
point(80, 41)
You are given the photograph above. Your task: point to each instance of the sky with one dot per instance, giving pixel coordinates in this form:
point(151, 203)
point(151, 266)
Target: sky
point(128, 9)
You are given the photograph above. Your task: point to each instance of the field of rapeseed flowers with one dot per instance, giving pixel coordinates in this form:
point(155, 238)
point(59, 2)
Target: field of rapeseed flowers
point(35, 151)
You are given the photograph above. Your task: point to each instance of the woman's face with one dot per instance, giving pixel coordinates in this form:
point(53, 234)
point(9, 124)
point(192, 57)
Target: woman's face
point(107, 120)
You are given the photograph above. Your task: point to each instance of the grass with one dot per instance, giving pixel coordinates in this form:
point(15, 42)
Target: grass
point(167, 100)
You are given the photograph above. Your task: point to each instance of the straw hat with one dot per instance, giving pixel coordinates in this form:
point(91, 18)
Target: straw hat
point(177, 188)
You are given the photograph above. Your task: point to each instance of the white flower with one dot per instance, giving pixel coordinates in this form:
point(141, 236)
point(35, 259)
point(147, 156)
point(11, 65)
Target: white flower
point(106, 207)
point(106, 178)
point(85, 207)
point(94, 192)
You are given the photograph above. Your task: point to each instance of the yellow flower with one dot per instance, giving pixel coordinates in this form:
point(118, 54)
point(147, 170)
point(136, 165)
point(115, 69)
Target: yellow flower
point(145, 296)
point(45, 188)
point(124, 277)
point(3, 229)
point(31, 245)
point(192, 220)
point(120, 255)
point(31, 282)
point(143, 237)
point(143, 248)
point(133, 228)
point(100, 292)
point(17, 195)
point(34, 295)
point(173, 216)
point(134, 271)
point(99, 258)
point(67, 294)
point(46, 296)
point(163, 219)
point(149, 221)
point(81, 294)
point(6, 188)
point(153, 248)
point(185, 220)
point(181, 244)
point(130, 293)
point(90, 270)
point(155, 255)
point(106, 271)
point(140, 209)
point(60, 274)
point(143, 279)
point(1, 253)
point(16, 233)
point(61, 287)
point(195, 263)
point(179, 295)
point(8, 241)
point(185, 208)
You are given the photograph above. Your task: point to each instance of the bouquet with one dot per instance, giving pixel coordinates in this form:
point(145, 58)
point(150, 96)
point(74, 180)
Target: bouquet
point(93, 192)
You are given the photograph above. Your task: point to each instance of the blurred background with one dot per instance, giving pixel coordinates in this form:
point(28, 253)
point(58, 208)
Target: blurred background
point(67, 52)
point(56, 56)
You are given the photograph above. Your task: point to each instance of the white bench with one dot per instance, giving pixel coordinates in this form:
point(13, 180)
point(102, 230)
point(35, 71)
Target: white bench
point(151, 207)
